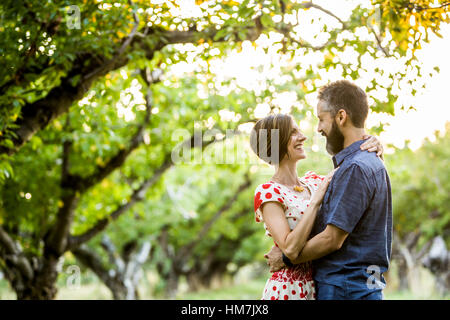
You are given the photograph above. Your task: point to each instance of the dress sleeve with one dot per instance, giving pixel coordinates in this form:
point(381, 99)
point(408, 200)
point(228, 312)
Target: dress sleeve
point(313, 180)
point(267, 192)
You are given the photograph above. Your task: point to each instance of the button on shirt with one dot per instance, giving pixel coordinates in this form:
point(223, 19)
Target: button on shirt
point(358, 201)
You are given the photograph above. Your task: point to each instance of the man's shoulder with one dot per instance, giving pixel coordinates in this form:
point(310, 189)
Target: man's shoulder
point(367, 162)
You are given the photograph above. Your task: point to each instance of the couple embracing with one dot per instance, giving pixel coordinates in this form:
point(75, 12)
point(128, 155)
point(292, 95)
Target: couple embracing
point(332, 233)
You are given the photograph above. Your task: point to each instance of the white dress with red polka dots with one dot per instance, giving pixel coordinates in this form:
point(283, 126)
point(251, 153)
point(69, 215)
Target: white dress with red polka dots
point(295, 283)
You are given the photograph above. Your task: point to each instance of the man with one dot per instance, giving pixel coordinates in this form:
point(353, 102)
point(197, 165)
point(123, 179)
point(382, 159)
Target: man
point(351, 238)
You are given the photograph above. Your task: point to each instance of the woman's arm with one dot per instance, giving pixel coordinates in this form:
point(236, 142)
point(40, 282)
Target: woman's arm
point(292, 242)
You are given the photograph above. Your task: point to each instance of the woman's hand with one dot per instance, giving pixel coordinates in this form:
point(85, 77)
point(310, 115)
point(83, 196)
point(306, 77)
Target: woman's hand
point(317, 198)
point(372, 144)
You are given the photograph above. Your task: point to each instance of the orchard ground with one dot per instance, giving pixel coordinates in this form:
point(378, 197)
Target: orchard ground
point(242, 287)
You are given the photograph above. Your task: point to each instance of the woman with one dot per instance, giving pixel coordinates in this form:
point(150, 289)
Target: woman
point(288, 204)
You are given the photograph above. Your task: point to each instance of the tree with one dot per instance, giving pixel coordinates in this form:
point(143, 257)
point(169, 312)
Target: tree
point(64, 141)
point(420, 201)
point(188, 249)
point(124, 277)
point(86, 165)
point(437, 261)
point(52, 62)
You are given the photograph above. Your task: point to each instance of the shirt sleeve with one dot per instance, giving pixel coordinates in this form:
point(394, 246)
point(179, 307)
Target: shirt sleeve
point(267, 192)
point(350, 198)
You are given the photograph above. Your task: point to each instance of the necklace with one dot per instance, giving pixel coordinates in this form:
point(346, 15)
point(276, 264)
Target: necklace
point(296, 187)
point(299, 188)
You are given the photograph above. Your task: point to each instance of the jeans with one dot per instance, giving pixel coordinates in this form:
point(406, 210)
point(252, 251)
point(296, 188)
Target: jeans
point(331, 292)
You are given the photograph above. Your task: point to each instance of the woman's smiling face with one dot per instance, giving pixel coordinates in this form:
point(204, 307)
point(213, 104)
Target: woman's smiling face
point(295, 146)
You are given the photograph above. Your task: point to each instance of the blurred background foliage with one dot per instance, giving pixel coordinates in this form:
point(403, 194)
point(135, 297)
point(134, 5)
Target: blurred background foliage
point(132, 130)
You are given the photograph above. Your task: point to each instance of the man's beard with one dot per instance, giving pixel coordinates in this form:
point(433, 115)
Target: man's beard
point(335, 140)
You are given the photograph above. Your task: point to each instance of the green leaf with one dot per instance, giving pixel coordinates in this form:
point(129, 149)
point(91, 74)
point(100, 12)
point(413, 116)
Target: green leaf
point(75, 79)
point(266, 20)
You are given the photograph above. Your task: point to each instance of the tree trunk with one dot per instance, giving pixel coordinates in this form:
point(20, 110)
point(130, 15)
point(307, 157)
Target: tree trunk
point(110, 278)
point(118, 289)
point(31, 277)
point(172, 285)
point(437, 261)
point(124, 278)
point(402, 275)
point(209, 274)
point(41, 287)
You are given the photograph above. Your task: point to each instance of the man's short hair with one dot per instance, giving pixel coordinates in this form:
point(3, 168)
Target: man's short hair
point(345, 95)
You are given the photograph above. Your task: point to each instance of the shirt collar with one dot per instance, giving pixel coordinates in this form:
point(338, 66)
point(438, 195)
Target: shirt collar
point(341, 155)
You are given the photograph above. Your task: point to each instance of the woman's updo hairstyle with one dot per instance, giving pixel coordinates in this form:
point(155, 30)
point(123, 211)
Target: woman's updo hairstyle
point(270, 137)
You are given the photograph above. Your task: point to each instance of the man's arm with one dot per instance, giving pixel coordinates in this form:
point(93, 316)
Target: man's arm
point(349, 202)
point(326, 242)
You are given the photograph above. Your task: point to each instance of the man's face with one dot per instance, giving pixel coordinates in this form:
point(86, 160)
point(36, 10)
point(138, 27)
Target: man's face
point(328, 128)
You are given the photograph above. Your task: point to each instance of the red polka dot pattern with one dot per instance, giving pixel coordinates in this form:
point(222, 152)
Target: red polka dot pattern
point(288, 283)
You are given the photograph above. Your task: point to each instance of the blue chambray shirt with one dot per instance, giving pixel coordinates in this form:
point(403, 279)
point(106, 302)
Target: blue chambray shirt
point(358, 201)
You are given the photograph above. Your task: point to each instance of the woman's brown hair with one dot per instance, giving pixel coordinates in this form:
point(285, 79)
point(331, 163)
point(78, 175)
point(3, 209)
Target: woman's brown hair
point(271, 134)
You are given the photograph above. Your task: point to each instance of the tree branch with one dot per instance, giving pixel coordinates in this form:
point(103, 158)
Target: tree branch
point(56, 239)
point(38, 114)
point(310, 4)
point(302, 43)
point(285, 31)
point(137, 195)
point(73, 186)
point(114, 257)
point(418, 8)
point(67, 147)
point(163, 240)
point(106, 66)
point(12, 254)
point(377, 38)
point(128, 249)
point(93, 261)
point(48, 27)
point(81, 184)
point(186, 251)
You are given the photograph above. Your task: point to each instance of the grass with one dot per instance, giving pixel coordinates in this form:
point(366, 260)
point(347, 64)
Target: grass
point(253, 289)
point(250, 290)
point(241, 288)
